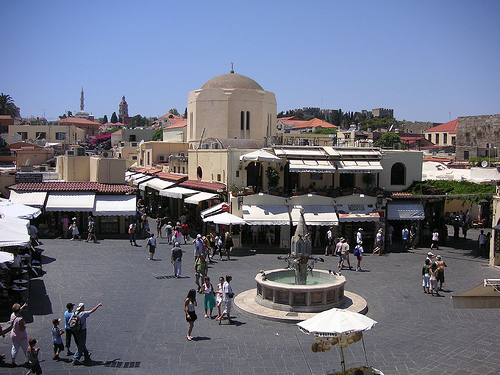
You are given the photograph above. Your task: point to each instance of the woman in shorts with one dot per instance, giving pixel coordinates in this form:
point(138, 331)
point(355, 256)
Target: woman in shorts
point(189, 309)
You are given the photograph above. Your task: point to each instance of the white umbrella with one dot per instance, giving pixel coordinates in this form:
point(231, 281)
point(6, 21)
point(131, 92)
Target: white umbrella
point(337, 323)
point(260, 155)
point(224, 218)
point(6, 257)
point(15, 209)
point(14, 232)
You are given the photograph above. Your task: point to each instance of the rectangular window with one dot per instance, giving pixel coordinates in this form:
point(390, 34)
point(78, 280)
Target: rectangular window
point(60, 136)
point(445, 138)
point(40, 135)
point(24, 135)
point(134, 157)
point(453, 140)
point(248, 120)
point(466, 155)
point(242, 120)
point(237, 173)
point(131, 138)
point(429, 137)
point(218, 177)
point(437, 139)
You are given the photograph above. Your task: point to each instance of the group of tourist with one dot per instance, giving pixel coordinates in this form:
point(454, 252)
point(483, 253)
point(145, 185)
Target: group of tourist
point(433, 274)
point(221, 296)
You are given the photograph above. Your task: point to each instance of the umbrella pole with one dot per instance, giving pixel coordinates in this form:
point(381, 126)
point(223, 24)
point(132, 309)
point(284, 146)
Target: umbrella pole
point(364, 349)
point(342, 362)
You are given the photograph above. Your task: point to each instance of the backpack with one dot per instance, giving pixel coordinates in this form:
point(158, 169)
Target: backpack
point(356, 251)
point(74, 322)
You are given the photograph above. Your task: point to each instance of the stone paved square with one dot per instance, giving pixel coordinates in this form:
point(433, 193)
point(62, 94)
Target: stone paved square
point(141, 327)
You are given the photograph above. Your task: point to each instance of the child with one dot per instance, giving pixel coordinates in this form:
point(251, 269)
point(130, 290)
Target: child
point(56, 338)
point(74, 231)
point(151, 243)
point(32, 354)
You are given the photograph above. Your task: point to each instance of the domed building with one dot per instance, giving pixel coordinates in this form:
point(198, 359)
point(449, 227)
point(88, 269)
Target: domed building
point(82, 113)
point(231, 106)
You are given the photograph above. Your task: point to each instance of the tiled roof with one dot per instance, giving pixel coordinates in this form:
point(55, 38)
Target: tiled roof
point(177, 123)
point(315, 123)
point(78, 121)
point(212, 187)
point(173, 177)
point(5, 117)
point(146, 170)
point(450, 127)
point(74, 186)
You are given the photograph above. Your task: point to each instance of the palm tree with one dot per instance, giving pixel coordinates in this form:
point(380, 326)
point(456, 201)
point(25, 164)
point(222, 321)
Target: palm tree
point(7, 106)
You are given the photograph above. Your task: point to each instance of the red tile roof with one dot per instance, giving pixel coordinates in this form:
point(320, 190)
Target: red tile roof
point(78, 121)
point(450, 127)
point(177, 123)
point(171, 176)
point(146, 170)
point(74, 186)
point(315, 123)
point(212, 187)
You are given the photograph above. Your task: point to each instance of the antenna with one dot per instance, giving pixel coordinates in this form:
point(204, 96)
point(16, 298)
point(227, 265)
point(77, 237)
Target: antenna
point(449, 114)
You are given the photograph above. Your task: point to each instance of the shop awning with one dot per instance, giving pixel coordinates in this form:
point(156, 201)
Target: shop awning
point(199, 197)
point(14, 232)
point(157, 184)
point(129, 175)
point(177, 192)
point(140, 181)
point(19, 210)
point(315, 215)
point(356, 213)
point(224, 218)
point(115, 205)
point(29, 198)
point(211, 210)
point(76, 202)
point(359, 166)
point(266, 215)
point(136, 176)
point(405, 211)
point(312, 166)
point(260, 156)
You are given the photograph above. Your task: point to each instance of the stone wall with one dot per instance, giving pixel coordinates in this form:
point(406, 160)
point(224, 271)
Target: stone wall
point(417, 127)
point(478, 136)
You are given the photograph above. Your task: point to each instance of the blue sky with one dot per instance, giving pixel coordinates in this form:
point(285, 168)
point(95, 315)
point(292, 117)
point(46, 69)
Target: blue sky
point(423, 58)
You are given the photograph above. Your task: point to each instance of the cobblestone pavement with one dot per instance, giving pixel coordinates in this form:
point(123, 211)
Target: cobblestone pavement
point(141, 328)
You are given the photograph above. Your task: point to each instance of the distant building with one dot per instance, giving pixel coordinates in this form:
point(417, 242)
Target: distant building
point(91, 127)
point(123, 111)
point(383, 112)
point(444, 134)
point(478, 136)
point(82, 113)
point(312, 125)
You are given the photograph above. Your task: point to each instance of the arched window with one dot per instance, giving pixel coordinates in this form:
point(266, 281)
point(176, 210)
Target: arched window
point(398, 174)
point(199, 173)
point(248, 120)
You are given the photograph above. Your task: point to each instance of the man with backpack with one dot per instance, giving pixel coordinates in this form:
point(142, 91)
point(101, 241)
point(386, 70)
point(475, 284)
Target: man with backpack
point(78, 323)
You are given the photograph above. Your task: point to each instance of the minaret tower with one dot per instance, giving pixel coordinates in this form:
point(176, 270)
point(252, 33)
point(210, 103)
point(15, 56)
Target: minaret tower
point(82, 99)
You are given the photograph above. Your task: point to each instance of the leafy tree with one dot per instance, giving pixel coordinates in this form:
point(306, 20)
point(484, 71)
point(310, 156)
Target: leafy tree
point(186, 113)
point(66, 115)
point(158, 135)
point(114, 118)
point(325, 131)
point(7, 106)
point(272, 177)
point(440, 187)
point(174, 112)
point(105, 119)
point(388, 140)
point(138, 121)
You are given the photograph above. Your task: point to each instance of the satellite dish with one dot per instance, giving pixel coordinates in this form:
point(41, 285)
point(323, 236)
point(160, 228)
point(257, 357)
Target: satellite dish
point(484, 163)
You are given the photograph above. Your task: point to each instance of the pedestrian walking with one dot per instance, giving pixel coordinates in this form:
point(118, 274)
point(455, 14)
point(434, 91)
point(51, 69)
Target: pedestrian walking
point(33, 358)
point(405, 235)
point(91, 230)
point(358, 253)
point(159, 225)
point(227, 298)
point(435, 239)
point(329, 242)
point(208, 297)
point(176, 258)
point(132, 228)
point(151, 243)
point(345, 255)
point(18, 333)
point(75, 232)
point(177, 232)
point(81, 332)
point(218, 296)
point(379, 242)
point(189, 309)
point(481, 240)
point(390, 233)
point(440, 268)
point(57, 342)
point(426, 275)
point(433, 280)
point(198, 246)
point(218, 245)
point(185, 232)
point(69, 332)
point(338, 250)
point(228, 244)
point(359, 236)
point(168, 232)
point(200, 271)
point(65, 226)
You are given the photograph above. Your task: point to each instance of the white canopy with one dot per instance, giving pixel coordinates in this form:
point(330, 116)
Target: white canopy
point(177, 192)
point(336, 321)
point(266, 215)
point(224, 218)
point(405, 211)
point(14, 232)
point(29, 198)
point(197, 198)
point(14, 209)
point(115, 205)
point(315, 215)
point(158, 184)
point(6, 257)
point(359, 166)
point(261, 156)
point(312, 166)
point(70, 202)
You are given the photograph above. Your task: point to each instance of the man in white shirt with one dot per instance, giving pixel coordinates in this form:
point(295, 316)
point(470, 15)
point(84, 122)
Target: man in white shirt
point(359, 236)
point(227, 298)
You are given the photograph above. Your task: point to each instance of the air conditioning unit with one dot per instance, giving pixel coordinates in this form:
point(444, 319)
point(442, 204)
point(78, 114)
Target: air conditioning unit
point(161, 158)
point(214, 145)
point(70, 153)
point(107, 154)
point(133, 144)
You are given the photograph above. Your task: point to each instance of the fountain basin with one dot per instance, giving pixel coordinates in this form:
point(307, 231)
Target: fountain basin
point(276, 290)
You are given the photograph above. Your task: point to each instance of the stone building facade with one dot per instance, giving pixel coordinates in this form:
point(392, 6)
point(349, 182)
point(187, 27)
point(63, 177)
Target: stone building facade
point(478, 136)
